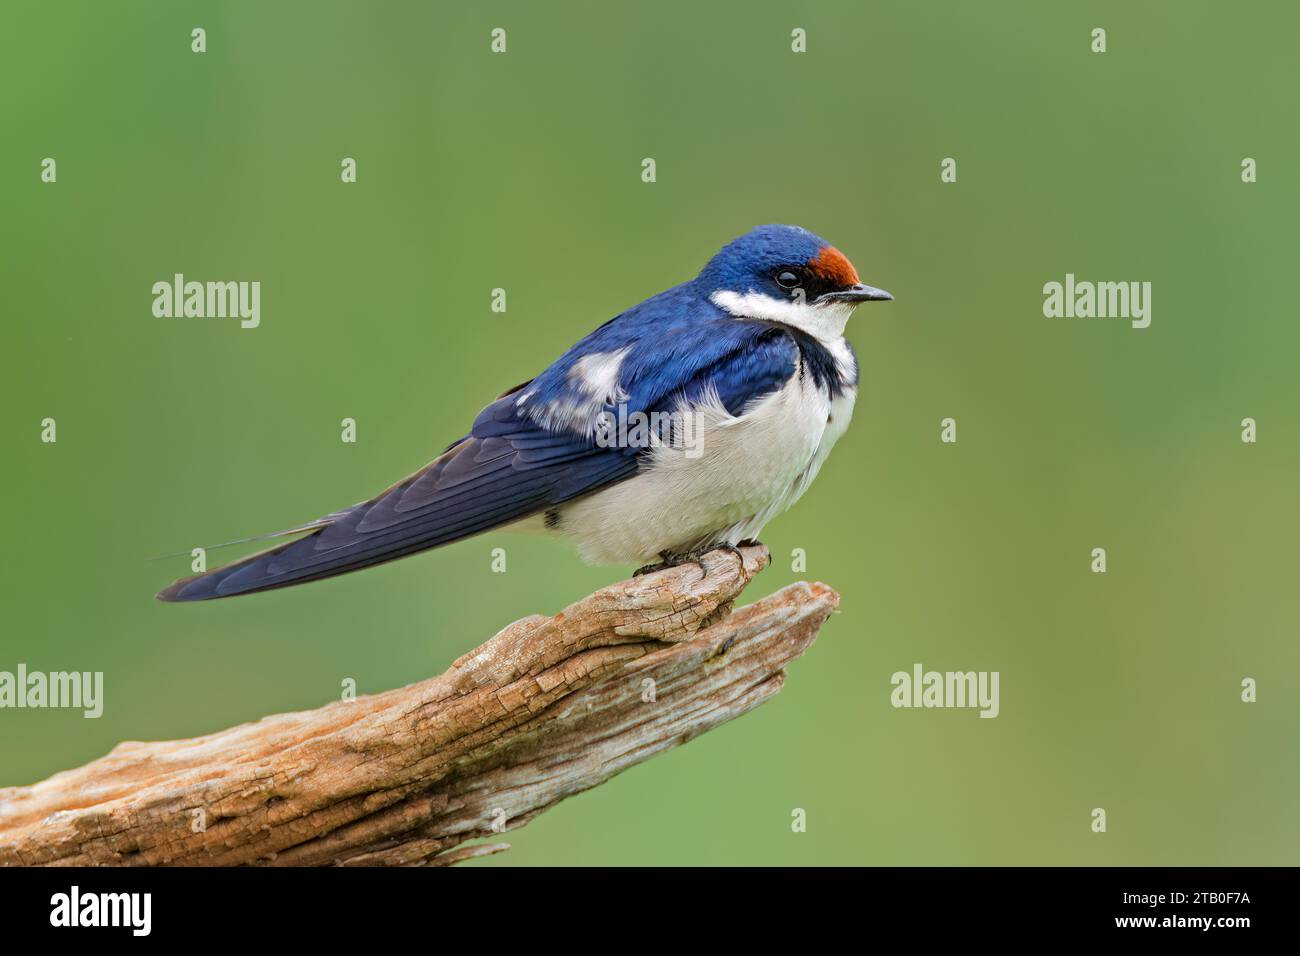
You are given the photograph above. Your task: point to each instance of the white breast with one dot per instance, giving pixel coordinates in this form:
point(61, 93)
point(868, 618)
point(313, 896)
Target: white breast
point(750, 468)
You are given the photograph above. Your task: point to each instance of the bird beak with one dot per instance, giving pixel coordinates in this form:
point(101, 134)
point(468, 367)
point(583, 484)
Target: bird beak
point(856, 293)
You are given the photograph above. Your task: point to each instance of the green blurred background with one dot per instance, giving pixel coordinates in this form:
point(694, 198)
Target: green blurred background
point(522, 171)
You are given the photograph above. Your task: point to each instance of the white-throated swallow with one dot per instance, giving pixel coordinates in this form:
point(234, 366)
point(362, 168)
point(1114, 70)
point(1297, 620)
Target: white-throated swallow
point(683, 424)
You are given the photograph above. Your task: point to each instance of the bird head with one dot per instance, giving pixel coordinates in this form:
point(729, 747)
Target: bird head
point(786, 274)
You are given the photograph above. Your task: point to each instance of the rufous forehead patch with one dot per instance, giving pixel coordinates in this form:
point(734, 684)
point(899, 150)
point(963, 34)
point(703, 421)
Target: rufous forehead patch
point(833, 266)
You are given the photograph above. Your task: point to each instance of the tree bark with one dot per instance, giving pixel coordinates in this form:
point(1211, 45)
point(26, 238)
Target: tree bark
point(547, 708)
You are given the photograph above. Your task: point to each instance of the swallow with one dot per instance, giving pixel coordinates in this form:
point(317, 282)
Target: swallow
point(683, 424)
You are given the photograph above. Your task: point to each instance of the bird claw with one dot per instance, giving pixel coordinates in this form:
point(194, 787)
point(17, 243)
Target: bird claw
point(673, 561)
point(735, 549)
point(669, 560)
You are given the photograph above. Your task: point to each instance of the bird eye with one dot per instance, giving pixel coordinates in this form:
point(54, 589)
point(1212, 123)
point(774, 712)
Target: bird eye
point(787, 280)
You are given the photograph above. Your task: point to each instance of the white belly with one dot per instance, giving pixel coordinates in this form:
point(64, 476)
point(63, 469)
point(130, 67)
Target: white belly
point(750, 468)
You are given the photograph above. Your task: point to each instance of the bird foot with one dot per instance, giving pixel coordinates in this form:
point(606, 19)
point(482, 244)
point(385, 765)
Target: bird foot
point(671, 560)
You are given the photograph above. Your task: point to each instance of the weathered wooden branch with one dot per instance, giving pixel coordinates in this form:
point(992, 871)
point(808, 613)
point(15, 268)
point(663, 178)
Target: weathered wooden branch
point(549, 707)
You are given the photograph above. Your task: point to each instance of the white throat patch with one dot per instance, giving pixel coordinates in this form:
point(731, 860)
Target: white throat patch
point(823, 322)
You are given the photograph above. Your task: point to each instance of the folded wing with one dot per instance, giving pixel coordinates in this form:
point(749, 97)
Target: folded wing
point(502, 472)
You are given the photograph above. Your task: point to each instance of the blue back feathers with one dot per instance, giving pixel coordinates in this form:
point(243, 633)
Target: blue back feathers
point(679, 342)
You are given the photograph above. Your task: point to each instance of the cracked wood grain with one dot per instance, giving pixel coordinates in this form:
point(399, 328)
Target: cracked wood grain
point(547, 708)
